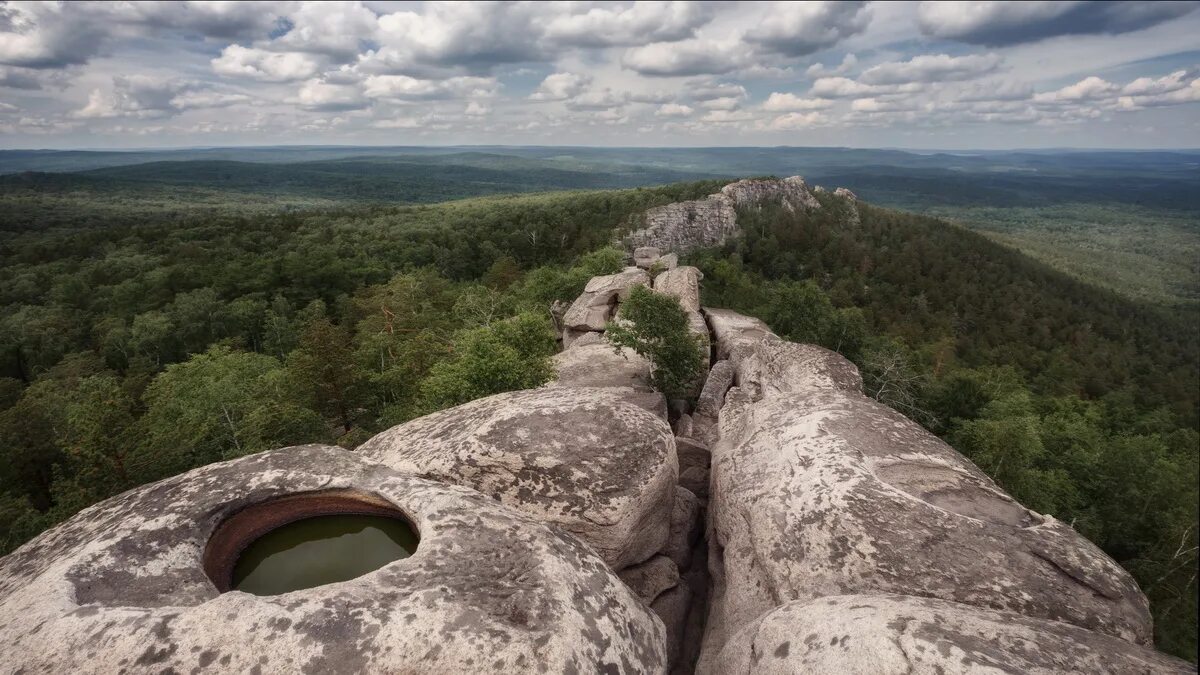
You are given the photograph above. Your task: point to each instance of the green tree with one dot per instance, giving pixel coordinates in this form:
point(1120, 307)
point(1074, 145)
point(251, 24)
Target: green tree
point(505, 356)
point(655, 326)
point(324, 369)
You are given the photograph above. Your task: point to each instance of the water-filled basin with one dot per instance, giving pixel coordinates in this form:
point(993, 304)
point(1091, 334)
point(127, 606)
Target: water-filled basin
point(321, 550)
point(304, 540)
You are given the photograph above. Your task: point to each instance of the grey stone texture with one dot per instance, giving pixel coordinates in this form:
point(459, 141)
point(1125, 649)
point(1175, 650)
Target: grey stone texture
point(120, 587)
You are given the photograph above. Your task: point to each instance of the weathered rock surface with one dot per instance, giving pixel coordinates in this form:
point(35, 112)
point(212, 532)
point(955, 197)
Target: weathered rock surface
point(652, 578)
point(820, 491)
point(683, 226)
point(120, 587)
point(712, 397)
point(893, 634)
point(592, 361)
point(592, 310)
point(683, 284)
point(845, 194)
point(694, 461)
point(701, 223)
point(686, 528)
point(644, 256)
point(793, 192)
point(584, 459)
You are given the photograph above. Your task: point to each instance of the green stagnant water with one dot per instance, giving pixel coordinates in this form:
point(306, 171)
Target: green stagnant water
point(321, 550)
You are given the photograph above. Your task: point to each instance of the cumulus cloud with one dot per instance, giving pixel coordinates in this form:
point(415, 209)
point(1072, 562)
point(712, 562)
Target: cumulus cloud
point(844, 87)
point(685, 58)
point(1007, 23)
point(319, 95)
point(932, 68)
point(1088, 89)
point(48, 34)
point(703, 90)
point(796, 120)
point(820, 70)
point(146, 97)
point(561, 86)
point(260, 64)
point(882, 105)
point(783, 102)
point(801, 28)
point(604, 99)
point(722, 103)
point(612, 25)
point(674, 110)
point(405, 88)
point(336, 29)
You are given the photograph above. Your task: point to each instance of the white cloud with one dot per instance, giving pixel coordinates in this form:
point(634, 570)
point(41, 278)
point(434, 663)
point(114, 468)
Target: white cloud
point(260, 64)
point(405, 88)
point(783, 102)
point(686, 58)
point(703, 90)
point(1143, 86)
point(477, 109)
point(723, 103)
point(932, 68)
point(881, 105)
point(801, 28)
point(336, 29)
point(640, 23)
point(1088, 89)
point(148, 97)
point(674, 110)
point(603, 99)
point(843, 87)
point(318, 95)
point(561, 86)
point(796, 120)
point(819, 70)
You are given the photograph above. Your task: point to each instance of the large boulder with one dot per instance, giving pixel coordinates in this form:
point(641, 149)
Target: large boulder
point(817, 490)
point(596, 305)
point(645, 256)
point(122, 587)
point(683, 284)
point(585, 459)
point(592, 361)
point(893, 634)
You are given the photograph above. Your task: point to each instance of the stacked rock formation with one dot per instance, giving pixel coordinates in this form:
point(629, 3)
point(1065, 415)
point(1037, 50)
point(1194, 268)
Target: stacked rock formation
point(684, 226)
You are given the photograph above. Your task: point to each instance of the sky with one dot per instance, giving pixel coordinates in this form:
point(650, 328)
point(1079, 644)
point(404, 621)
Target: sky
point(933, 75)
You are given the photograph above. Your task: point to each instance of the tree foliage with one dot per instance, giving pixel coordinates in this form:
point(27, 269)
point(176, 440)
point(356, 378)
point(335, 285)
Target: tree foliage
point(655, 326)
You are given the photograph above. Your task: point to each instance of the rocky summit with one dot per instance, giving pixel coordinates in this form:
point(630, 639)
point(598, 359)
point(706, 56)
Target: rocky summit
point(780, 522)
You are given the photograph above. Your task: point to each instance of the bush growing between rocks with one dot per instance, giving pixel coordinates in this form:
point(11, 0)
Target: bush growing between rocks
point(655, 326)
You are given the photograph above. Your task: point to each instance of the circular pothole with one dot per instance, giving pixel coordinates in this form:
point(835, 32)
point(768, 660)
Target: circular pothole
point(306, 540)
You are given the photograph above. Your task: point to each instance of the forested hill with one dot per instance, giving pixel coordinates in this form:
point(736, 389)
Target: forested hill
point(363, 179)
point(139, 339)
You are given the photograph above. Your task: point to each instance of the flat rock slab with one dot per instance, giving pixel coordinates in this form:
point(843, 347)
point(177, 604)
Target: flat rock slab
point(895, 634)
point(120, 587)
point(584, 459)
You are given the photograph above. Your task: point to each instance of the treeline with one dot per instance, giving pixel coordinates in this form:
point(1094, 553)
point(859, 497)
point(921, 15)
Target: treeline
point(1081, 404)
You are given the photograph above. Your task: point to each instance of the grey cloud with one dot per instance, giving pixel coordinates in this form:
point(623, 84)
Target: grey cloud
point(49, 35)
point(1008, 23)
point(801, 28)
point(147, 97)
point(932, 68)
